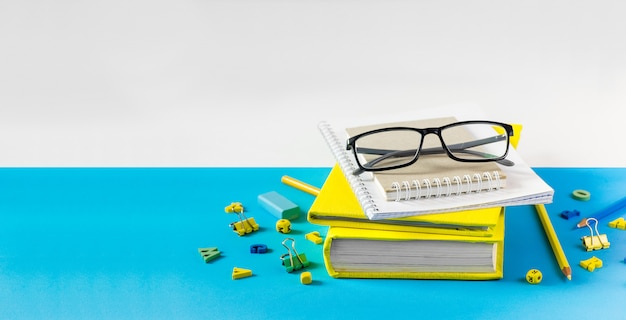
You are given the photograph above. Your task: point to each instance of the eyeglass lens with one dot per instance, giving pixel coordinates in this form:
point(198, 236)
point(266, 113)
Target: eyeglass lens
point(489, 143)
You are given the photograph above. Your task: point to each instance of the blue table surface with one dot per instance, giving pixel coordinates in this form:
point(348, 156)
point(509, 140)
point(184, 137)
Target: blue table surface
point(116, 243)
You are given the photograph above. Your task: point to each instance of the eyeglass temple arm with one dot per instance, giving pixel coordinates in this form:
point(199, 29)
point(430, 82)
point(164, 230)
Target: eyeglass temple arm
point(435, 150)
point(405, 153)
point(470, 144)
point(459, 147)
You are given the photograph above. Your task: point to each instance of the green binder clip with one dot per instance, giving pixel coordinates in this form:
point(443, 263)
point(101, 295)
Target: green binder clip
point(292, 260)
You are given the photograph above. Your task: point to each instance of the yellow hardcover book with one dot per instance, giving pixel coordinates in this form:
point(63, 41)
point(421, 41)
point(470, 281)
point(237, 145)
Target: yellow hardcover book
point(367, 253)
point(336, 205)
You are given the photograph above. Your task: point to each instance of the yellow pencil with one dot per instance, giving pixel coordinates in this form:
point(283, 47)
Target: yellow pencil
point(554, 241)
point(300, 185)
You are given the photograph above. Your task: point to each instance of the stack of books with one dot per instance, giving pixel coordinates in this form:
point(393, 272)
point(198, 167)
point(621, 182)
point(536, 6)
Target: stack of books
point(375, 234)
point(460, 245)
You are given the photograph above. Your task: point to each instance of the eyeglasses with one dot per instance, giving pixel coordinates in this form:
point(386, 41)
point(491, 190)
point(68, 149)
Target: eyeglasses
point(397, 147)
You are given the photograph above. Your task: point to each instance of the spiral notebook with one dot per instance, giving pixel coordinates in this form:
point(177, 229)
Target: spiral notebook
point(520, 184)
point(433, 175)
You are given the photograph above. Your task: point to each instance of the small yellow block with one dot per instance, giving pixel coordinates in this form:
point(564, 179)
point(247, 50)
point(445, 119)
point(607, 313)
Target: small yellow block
point(591, 263)
point(306, 277)
point(283, 226)
point(313, 237)
point(239, 273)
point(619, 223)
point(234, 207)
point(533, 276)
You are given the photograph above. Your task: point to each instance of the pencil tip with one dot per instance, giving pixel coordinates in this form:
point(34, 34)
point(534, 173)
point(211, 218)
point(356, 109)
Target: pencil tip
point(567, 271)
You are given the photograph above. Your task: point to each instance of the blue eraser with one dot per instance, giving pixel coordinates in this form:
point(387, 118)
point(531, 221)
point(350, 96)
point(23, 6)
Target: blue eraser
point(279, 206)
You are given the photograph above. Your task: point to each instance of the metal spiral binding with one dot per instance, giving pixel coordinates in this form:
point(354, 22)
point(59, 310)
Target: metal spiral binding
point(347, 166)
point(443, 187)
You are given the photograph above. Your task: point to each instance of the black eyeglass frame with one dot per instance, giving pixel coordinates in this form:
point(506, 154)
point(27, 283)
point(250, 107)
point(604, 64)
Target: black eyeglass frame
point(509, 132)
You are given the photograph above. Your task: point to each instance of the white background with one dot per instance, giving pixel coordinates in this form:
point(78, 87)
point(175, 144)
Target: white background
point(244, 83)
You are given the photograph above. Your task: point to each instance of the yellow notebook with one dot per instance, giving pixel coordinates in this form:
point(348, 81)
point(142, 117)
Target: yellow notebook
point(336, 205)
point(366, 253)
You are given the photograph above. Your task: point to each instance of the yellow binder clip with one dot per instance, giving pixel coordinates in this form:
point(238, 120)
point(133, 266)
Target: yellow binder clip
point(245, 225)
point(597, 241)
